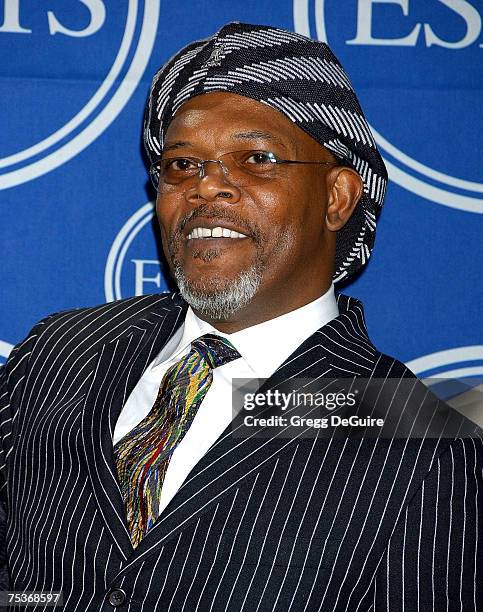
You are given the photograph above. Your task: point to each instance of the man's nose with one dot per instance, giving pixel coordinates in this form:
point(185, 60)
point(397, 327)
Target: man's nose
point(213, 183)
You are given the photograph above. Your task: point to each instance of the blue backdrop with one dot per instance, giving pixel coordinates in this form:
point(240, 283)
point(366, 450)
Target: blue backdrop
point(77, 224)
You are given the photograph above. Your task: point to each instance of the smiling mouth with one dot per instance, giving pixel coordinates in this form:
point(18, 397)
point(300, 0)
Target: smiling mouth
point(214, 232)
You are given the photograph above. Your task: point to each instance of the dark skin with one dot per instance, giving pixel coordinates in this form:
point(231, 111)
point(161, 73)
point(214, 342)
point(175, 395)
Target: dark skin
point(290, 223)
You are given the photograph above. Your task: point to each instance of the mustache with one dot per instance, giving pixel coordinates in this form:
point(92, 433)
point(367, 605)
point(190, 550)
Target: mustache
point(212, 211)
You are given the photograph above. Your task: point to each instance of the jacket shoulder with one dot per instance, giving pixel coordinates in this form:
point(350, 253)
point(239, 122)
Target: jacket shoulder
point(84, 329)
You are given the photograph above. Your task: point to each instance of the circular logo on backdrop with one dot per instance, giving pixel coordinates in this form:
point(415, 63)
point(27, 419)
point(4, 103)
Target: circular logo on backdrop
point(462, 362)
point(456, 376)
point(421, 55)
point(81, 61)
point(133, 266)
point(5, 349)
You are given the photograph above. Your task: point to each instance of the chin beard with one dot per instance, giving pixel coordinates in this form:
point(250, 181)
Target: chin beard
point(219, 299)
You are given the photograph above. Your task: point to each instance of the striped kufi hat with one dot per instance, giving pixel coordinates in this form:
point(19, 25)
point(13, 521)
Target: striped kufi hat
point(297, 76)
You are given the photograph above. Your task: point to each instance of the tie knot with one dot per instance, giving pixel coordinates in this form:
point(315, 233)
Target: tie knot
point(217, 351)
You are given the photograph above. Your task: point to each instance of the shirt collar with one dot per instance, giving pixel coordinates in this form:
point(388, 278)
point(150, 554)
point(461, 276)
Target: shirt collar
point(264, 346)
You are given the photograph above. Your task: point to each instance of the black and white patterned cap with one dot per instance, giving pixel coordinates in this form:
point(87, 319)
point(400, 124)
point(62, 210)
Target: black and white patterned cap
point(300, 78)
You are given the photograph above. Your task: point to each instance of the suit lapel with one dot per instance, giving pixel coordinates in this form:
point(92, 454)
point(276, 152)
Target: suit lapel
point(120, 365)
point(339, 349)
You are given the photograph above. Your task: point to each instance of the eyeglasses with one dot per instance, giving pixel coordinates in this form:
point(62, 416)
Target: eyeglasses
point(243, 168)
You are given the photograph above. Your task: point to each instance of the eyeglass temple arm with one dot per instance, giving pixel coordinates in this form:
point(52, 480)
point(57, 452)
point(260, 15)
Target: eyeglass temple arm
point(296, 161)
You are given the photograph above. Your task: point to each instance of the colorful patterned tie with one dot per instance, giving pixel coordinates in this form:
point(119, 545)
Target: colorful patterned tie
point(143, 455)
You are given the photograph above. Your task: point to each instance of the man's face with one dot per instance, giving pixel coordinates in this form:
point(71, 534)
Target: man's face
point(286, 252)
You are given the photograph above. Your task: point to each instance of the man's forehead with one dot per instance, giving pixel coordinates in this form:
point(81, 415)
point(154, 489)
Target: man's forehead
point(235, 117)
point(238, 110)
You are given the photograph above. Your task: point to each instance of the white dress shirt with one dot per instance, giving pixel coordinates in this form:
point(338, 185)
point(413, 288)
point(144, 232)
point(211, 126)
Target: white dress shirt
point(263, 348)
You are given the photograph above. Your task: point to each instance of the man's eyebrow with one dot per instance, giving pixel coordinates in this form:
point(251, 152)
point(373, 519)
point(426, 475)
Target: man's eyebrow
point(257, 135)
point(176, 145)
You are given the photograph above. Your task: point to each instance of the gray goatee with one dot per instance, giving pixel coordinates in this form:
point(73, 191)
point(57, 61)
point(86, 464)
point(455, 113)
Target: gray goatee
point(219, 299)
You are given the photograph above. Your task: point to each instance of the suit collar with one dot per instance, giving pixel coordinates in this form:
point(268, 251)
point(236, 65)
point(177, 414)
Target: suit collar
point(341, 348)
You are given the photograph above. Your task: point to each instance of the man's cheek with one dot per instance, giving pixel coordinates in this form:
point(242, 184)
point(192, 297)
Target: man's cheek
point(164, 240)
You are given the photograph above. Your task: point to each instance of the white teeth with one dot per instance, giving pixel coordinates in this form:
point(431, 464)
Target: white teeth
point(216, 232)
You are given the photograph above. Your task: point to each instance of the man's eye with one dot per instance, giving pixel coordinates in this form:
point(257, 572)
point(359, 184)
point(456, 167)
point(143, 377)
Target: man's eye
point(261, 157)
point(180, 164)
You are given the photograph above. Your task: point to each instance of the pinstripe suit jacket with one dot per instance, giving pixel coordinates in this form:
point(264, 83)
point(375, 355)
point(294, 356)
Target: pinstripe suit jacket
point(260, 524)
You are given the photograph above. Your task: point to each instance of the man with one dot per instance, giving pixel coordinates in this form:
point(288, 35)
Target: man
point(126, 483)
